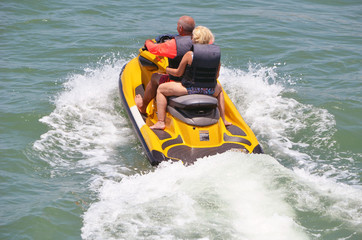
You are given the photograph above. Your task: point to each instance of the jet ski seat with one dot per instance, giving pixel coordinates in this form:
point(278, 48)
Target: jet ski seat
point(194, 109)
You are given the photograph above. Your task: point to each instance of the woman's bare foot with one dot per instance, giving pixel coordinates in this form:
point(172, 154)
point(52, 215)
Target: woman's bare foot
point(159, 125)
point(226, 123)
point(139, 103)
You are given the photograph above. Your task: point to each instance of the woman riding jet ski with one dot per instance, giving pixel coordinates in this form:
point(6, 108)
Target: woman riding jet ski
point(196, 123)
point(201, 66)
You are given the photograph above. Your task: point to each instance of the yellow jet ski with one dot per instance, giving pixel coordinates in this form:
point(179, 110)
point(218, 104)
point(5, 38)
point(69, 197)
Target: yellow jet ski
point(194, 128)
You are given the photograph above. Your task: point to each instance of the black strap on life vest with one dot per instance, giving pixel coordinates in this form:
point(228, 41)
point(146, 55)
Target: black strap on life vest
point(183, 45)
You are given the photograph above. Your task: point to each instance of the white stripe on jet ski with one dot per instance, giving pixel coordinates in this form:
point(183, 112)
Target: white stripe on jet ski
point(137, 116)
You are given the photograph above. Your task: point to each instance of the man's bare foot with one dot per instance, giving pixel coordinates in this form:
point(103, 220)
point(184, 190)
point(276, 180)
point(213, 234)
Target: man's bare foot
point(159, 125)
point(139, 103)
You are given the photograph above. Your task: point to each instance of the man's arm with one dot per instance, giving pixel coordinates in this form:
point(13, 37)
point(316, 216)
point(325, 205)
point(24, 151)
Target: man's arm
point(166, 49)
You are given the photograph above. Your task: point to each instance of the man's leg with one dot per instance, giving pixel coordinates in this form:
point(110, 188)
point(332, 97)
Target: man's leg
point(150, 93)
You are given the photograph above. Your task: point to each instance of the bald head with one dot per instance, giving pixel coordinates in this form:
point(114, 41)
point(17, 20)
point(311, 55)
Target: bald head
point(186, 25)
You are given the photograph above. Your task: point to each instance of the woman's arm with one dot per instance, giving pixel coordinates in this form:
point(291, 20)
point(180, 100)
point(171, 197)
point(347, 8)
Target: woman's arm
point(187, 59)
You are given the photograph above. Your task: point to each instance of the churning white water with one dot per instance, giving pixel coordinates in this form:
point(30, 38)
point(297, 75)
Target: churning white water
point(227, 196)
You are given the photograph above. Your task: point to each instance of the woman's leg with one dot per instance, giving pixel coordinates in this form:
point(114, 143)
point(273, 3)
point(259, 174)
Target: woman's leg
point(165, 90)
point(220, 98)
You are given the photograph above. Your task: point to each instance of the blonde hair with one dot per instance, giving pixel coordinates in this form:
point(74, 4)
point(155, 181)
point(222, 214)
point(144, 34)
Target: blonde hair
point(202, 35)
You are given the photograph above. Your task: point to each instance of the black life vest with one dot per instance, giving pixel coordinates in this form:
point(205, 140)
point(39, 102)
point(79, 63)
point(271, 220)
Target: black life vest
point(183, 45)
point(203, 70)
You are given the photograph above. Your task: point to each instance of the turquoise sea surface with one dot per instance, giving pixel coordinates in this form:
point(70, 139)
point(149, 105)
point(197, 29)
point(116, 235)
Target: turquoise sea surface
point(71, 166)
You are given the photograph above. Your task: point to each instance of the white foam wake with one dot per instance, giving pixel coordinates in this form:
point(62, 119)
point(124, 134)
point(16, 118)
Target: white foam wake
point(298, 135)
point(258, 95)
point(86, 124)
point(228, 196)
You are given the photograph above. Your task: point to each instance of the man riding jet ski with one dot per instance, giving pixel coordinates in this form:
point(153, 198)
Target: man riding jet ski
point(172, 47)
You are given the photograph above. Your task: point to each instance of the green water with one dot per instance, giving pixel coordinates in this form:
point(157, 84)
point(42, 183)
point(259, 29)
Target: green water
point(72, 168)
